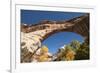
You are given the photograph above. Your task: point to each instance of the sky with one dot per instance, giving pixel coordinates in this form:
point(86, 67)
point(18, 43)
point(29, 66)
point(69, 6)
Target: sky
point(54, 42)
point(33, 16)
point(58, 40)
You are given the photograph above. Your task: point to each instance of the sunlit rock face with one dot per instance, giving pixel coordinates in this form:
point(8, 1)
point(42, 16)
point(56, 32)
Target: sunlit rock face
point(32, 36)
point(29, 43)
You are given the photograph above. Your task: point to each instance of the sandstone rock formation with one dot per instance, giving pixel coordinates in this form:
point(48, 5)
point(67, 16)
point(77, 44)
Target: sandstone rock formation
point(32, 36)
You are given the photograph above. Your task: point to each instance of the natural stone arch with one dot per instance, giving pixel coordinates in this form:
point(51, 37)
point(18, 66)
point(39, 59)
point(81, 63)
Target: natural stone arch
point(41, 31)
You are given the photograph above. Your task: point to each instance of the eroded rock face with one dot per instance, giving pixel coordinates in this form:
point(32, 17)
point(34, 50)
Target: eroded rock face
point(30, 49)
point(28, 46)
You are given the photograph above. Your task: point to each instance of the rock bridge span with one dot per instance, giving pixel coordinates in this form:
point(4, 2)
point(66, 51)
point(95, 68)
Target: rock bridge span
point(33, 35)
